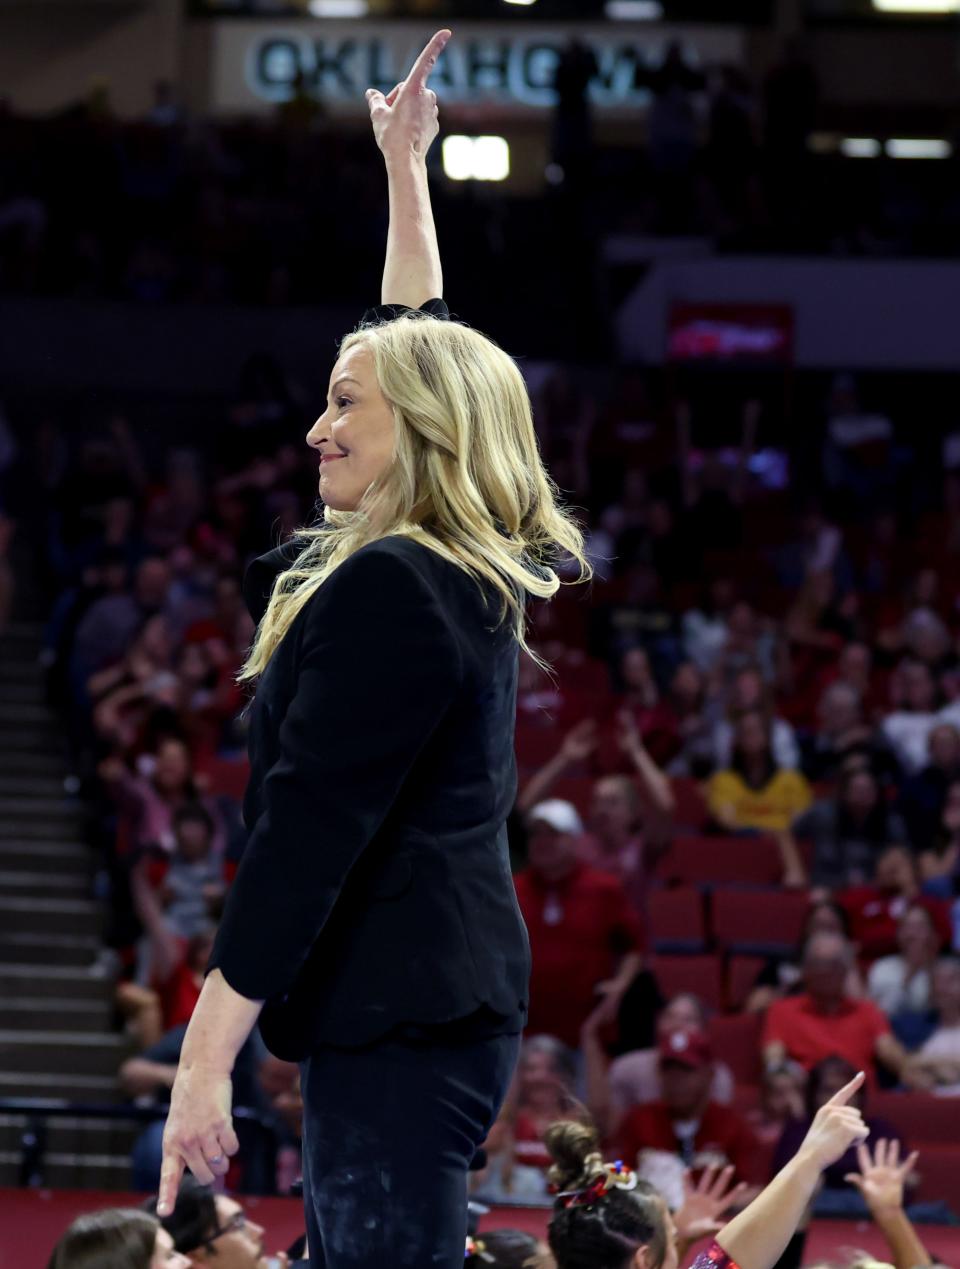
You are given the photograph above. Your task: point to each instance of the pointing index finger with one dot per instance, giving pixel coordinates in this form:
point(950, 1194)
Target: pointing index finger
point(427, 60)
point(843, 1096)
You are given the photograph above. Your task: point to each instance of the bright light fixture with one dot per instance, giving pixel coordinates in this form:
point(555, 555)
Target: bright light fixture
point(476, 158)
point(633, 10)
point(338, 8)
point(522, 2)
point(860, 147)
point(922, 7)
point(918, 148)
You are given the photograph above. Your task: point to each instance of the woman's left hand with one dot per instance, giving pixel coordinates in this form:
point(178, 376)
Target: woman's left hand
point(199, 1131)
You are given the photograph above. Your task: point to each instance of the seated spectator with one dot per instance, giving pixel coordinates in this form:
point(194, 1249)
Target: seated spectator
point(824, 1080)
point(585, 936)
point(695, 756)
point(213, 1229)
point(705, 627)
point(923, 796)
point(634, 1078)
point(848, 832)
point(781, 1100)
point(874, 910)
point(542, 1092)
point(640, 698)
point(783, 975)
point(193, 886)
point(147, 802)
point(116, 1238)
point(823, 1021)
point(938, 1058)
point(907, 728)
point(506, 1249)
point(685, 1120)
point(841, 736)
point(749, 694)
point(901, 983)
point(939, 863)
point(755, 793)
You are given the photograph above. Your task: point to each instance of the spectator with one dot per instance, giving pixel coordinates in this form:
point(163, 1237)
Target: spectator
point(634, 1078)
point(825, 1079)
point(106, 630)
point(116, 1238)
point(938, 1058)
point(705, 628)
point(823, 1021)
point(923, 796)
point(841, 735)
point(848, 832)
point(939, 863)
point(193, 886)
point(505, 1249)
point(783, 975)
point(874, 910)
point(685, 1120)
point(754, 792)
point(901, 983)
point(585, 937)
point(542, 1092)
point(213, 1229)
point(907, 729)
point(695, 755)
point(749, 694)
point(781, 1100)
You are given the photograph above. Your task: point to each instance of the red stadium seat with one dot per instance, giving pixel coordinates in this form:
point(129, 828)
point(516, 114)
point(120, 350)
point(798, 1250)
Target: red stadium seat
point(691, 804)
point(742, 974)
point(736, 1041)
point(711, 861)
point(575, 789)
point(676, 920)
point(227, 776)
point(701, 976)
point(758, 920)
point(920, 1117)
point(535, 746)
point(938, 1171)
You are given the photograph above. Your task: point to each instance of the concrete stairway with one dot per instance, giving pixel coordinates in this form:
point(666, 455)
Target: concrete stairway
point(57, 1038)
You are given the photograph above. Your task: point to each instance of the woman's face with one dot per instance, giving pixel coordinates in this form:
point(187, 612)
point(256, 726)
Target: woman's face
point(164, 1256)
point(173, 765)
point(915, 934)
point(681, 1013)
point(748, 690)
point(356, 432)
point(752, 735)
point(861, 795)
point(823, 919)
point(635, 668)
point(687, 683)
point(539, 1078)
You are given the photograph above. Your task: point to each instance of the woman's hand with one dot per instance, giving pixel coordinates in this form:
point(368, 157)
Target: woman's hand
point(836, 1127)
point(881, 1178)
point(199, 1131)
point(705, 1202)
point(406, 121)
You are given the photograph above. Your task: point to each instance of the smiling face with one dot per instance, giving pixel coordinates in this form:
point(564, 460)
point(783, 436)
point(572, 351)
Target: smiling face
point(355, 433)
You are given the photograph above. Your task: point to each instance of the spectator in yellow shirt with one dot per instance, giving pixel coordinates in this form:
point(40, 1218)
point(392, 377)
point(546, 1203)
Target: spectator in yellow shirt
point(754, 793)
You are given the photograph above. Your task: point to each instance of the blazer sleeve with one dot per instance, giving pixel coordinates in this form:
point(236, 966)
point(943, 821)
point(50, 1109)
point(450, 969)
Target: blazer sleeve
point(377, 670)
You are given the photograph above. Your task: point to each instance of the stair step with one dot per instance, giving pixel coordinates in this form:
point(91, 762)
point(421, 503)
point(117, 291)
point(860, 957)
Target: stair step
point(18, 883)
point(34, 853)
point(33, 982)
point(37, 1014)
point(77, 1088)
point(56, 808)
point(26, 712)
point(19, 630)
point(59, 916)
point(23, 689)
point(39, 764)
point(69, 1171)
point(68, 1052)
point(32, 948)
point(33, 739)
point(17, 828)
point(74, 1134)
point(23, 785)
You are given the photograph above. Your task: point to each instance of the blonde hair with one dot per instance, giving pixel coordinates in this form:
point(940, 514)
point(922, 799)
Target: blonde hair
point(466, 479)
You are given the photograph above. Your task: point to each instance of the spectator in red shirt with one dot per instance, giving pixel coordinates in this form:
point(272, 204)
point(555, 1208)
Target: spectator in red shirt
point(686, 1121)
point(823, 1021)
point(585, 937)
point(875, 910)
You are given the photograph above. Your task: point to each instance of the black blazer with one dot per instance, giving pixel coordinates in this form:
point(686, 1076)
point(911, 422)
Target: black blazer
point(375, 889)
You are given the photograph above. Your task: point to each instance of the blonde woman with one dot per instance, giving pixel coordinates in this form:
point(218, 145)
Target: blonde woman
point(373, 920)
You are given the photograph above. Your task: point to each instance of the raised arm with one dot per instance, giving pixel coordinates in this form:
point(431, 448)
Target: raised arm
point(405, 126)
point(757, 1237)
point(881, 1181)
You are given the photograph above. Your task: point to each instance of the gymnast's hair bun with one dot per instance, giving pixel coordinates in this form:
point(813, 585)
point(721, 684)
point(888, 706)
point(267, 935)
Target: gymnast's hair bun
point(574, 1148)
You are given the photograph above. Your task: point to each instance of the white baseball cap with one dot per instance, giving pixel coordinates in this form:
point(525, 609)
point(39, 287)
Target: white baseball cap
point(562, 817)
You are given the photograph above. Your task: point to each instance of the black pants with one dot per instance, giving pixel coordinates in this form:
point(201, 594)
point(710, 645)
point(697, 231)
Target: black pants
point(389, 1133)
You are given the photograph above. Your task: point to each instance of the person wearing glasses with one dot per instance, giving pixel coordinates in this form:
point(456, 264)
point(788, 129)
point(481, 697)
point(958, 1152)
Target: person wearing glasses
point(213, 1229)
point(117, 1238)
